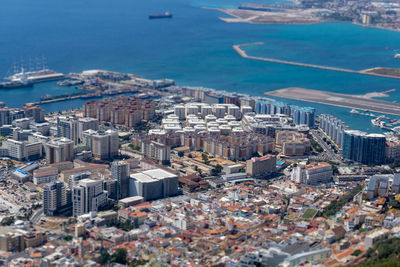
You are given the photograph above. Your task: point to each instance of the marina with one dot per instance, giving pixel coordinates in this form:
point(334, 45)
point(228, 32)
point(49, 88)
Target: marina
point(99, 83)
point(381, 122)
point(82, 95)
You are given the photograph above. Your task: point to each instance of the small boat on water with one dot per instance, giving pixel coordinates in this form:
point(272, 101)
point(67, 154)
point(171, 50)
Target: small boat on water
point(397, 56)
point(143, 96)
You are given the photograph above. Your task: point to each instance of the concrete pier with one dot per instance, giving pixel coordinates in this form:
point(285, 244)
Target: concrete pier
point(370, 72)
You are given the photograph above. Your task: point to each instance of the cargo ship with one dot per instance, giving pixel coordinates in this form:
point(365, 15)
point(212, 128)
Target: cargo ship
point(166, 15)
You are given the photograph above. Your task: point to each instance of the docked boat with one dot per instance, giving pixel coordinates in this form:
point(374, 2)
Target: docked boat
point(69, 82)
point(40, 73)
point(18, 82)
point(46, 97)
point(143, 96)
point(15, 85)
point(166, 15)
point(93, 95)
point(376, 122)
point(38, 76)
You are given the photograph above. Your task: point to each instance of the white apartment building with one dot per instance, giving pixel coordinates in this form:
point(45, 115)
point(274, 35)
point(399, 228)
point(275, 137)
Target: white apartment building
point(88, 196)
point(312, 174)
point(23, 150)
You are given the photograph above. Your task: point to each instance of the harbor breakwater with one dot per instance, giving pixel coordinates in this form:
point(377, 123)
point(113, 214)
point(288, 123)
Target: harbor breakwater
point(377, 71)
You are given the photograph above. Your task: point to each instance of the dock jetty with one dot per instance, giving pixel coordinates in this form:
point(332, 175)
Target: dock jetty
point(380, 72)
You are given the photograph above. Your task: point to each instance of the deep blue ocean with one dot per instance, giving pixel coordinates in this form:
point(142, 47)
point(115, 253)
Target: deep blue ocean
point(194, 48)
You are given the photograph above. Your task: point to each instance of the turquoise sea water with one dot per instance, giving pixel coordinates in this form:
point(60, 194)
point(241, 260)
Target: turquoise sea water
point(194, 48)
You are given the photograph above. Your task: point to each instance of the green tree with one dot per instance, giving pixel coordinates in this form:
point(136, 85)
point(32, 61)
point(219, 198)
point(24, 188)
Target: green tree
point(386, 171)
point(105, 258)
point(8, 221)
point(356, 252)
point(137, 263)
point(126, 226)
point(68, 237)
point(394, 165)
point(204, 157)
point(119, 256)
point(217, 169)
point(10, 164)
point(316, 147)
point(384, 253)
point(116, 208)
point(131, 146)
point(335, 169)
point(196, 168)
point(394, 203)
point(126, 138)
point(181, 154)
point(337, 205)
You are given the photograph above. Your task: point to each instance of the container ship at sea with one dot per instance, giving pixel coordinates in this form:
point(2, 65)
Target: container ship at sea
point(166, 15)
point(22, 78)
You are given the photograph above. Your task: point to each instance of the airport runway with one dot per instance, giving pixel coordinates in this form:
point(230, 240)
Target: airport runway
point(339, 100)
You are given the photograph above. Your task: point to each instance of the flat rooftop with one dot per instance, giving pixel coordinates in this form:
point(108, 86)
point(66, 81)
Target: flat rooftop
point(152, 175)
point(159, 174)
point(142, 178)
point(131, 199)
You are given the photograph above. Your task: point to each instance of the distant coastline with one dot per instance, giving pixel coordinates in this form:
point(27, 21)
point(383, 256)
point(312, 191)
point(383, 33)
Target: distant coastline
point(258, 17)
point(288, 17)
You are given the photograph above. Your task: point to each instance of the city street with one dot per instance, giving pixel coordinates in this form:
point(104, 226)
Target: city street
point(330, 154)
point(36, 216)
